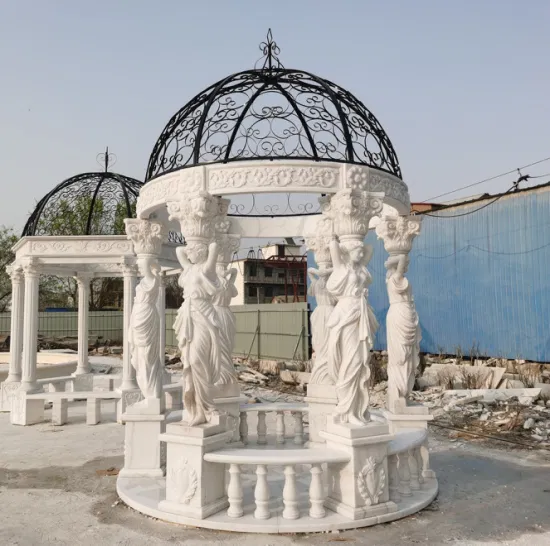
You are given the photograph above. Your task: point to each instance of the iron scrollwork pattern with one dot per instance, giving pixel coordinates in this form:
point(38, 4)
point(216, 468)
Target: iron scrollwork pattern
point(86, 204)
point(272, 113)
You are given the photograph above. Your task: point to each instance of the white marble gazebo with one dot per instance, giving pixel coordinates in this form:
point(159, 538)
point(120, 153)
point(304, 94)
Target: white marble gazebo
point(85, 257)
point(273, 134)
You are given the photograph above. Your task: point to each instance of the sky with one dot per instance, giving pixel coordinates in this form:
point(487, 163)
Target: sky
point(461, 88)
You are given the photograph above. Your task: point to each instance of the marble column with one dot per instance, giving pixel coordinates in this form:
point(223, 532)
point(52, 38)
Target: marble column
point(161, 306)
point(402, 323)
point(83, 281)
point(16, 335)
point(30, 327)
point(129, 273)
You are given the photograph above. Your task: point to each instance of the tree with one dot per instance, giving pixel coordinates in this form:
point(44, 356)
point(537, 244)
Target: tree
point(7, 239)
point(66, 218)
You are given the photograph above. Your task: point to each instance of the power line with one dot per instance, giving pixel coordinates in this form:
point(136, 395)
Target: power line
point(491, 178)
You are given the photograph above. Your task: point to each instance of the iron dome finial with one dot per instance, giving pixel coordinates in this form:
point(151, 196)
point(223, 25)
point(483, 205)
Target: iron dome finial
point(270, 50)
point(106, 159)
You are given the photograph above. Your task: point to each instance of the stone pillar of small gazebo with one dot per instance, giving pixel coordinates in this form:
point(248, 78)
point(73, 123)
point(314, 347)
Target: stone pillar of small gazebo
point(13, 381)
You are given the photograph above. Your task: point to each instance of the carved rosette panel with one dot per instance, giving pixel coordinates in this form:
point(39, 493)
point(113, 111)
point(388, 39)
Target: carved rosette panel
point(371, 180)
point(352, 210)
point(371, 481)
point(273, 176)
point(146, 235)
point(183, 481)
point(196, 215)
point(398, 232)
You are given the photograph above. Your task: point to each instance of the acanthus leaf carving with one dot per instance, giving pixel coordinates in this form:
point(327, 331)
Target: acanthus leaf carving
point(146, 235)
point(398, 232)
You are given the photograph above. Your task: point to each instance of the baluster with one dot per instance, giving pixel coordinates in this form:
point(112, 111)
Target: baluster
point(280, 428)
point(243, 427)
point(316, 495)
point(290, 494)
point(298, 428)
point(261, 493)
point(262, 428)
point(235, 492)
point(413, 468)
point(394, 478)
point(404, 474)
point(425, 456)
point(418, 456)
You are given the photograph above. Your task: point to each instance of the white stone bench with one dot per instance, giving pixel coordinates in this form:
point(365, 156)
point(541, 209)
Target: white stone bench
point(288, 458)
point(61, 400)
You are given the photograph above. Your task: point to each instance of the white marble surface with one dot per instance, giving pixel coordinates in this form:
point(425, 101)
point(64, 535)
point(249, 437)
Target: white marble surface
point(144, 495)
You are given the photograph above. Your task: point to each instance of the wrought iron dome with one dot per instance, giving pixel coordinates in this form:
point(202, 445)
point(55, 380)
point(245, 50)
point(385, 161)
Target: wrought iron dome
point(93, 203)
point(272, 113)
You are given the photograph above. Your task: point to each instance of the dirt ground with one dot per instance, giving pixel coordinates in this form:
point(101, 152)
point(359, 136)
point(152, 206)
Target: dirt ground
point(56, 488)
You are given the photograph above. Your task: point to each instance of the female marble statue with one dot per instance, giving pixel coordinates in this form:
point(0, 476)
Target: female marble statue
point(319, 318)
point(197, 329)
point(403, 331)
point(226, 320)
point(352, 326)
point(144, 330)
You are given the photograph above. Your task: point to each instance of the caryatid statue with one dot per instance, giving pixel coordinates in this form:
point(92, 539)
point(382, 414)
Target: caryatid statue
point(197, 324)
point(144, 329)
point(319, 243)
point(228, 244)
point(352, 324)
point(402, 324)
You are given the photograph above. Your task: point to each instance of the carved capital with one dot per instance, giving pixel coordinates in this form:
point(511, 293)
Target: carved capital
point(351, 211)
point(228, 244)
point(319, 241)
point(197, 216)
point(147, 235)
point(398, 232)
point(15, 271)
point(129, 270)
point(31, 269)
point(83, 279)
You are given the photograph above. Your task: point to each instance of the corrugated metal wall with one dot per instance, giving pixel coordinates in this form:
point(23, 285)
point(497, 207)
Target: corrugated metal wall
point(480, 281)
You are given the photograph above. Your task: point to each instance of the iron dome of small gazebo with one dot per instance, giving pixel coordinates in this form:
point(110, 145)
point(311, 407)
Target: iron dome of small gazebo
point(100, 199)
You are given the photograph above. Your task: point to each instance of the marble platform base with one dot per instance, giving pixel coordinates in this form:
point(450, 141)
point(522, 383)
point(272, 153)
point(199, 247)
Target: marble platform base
point(7, 391)
point(146, 495)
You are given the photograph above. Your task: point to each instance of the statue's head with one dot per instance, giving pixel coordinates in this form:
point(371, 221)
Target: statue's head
point(148, 265)
point(197, 251)
point(392, 263)
point(354, 249)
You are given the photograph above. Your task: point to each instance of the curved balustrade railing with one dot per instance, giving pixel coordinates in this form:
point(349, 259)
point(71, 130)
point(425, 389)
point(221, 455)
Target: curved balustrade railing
point(288, 459)
point(296, 410)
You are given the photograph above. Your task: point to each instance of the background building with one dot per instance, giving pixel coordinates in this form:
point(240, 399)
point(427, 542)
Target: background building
point(274, 274)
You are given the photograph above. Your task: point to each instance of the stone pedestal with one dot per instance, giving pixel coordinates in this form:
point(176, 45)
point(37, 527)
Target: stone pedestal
point(359, 489)
point(142, 454)
point(127, 399)
point(228, 400)
point(411, 417)
point(322, 401)
point(7, 391)
point(194, 488)
point(83, 382)
point(26, 411)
